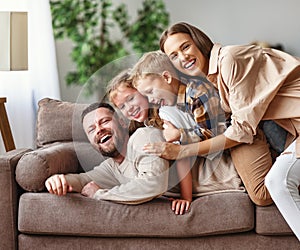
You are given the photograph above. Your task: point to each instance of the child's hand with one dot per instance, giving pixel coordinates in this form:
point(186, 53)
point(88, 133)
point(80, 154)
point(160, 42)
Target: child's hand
point(170, 132)
point(180, 206)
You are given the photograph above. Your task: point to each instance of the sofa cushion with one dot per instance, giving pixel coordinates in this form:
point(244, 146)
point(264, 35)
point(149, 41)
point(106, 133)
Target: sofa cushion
point(58, 121)
point(57, 158)
point(36, 166)
point(76, 215)
point(269, 221)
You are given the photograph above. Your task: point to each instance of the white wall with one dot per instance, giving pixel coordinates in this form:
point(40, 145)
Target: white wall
point(226, 22)
point(23, 89)
point(237, 22)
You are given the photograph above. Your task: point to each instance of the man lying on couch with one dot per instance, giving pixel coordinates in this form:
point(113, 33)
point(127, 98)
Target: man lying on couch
point(128, 175)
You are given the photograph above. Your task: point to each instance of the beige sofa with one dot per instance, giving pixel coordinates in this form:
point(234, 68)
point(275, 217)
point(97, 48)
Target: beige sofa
point(31, 218)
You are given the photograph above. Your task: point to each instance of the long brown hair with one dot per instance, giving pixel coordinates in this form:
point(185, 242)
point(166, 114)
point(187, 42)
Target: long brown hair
point(154, 119)
point(202, 41)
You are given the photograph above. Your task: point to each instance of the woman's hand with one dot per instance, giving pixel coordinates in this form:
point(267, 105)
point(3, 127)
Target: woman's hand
point(170, 132)
point(166, 150)
point(180, 206)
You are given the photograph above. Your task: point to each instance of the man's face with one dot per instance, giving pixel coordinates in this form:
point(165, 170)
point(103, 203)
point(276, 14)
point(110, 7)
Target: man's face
point(104, 132)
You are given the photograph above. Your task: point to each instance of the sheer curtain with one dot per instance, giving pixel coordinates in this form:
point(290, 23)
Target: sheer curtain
point(23, 89)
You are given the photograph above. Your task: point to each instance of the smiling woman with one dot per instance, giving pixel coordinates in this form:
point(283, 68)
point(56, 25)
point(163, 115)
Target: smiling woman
point(195, 65)
point(231, 69)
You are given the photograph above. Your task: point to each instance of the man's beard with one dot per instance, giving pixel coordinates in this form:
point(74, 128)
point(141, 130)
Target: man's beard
point(113, 152)
point(115, 148)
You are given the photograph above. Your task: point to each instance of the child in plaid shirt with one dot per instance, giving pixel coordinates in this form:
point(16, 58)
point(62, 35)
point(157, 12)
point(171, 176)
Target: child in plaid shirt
point(155, 77)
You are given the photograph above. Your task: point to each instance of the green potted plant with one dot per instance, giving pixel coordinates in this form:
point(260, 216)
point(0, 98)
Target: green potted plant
point(90, 25)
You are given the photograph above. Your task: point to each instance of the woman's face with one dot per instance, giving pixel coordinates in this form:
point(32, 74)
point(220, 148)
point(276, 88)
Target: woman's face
point(132, 103)
point(185, 55)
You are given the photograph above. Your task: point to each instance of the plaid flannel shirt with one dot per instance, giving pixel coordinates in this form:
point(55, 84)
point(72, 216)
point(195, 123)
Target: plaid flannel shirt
point(199, 98)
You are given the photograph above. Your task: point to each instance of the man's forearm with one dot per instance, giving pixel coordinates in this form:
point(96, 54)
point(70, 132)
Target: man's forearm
point(77, 181)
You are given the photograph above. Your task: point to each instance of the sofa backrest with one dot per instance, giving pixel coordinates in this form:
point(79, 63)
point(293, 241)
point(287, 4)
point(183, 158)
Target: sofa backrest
point(59, 121)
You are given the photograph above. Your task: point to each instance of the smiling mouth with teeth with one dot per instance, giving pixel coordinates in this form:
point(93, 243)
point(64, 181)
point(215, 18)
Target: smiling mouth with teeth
point(135, 112)
point(189, 64)
point(105, 138)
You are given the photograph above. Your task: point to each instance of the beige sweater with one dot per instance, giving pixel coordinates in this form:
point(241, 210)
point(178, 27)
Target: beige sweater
point(139, 178)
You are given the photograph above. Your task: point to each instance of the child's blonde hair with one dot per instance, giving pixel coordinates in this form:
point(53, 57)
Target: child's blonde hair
point(150, 64)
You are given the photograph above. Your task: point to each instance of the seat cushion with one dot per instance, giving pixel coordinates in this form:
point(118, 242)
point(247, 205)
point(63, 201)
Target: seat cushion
point(73, 214)
point(269, 221)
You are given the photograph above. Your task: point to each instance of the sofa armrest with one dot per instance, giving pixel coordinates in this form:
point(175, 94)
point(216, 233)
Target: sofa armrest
point(9, 198)
point(36, 166)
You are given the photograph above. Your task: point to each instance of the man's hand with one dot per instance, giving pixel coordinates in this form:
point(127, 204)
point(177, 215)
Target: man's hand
point(57, 184)
point(90, 189)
